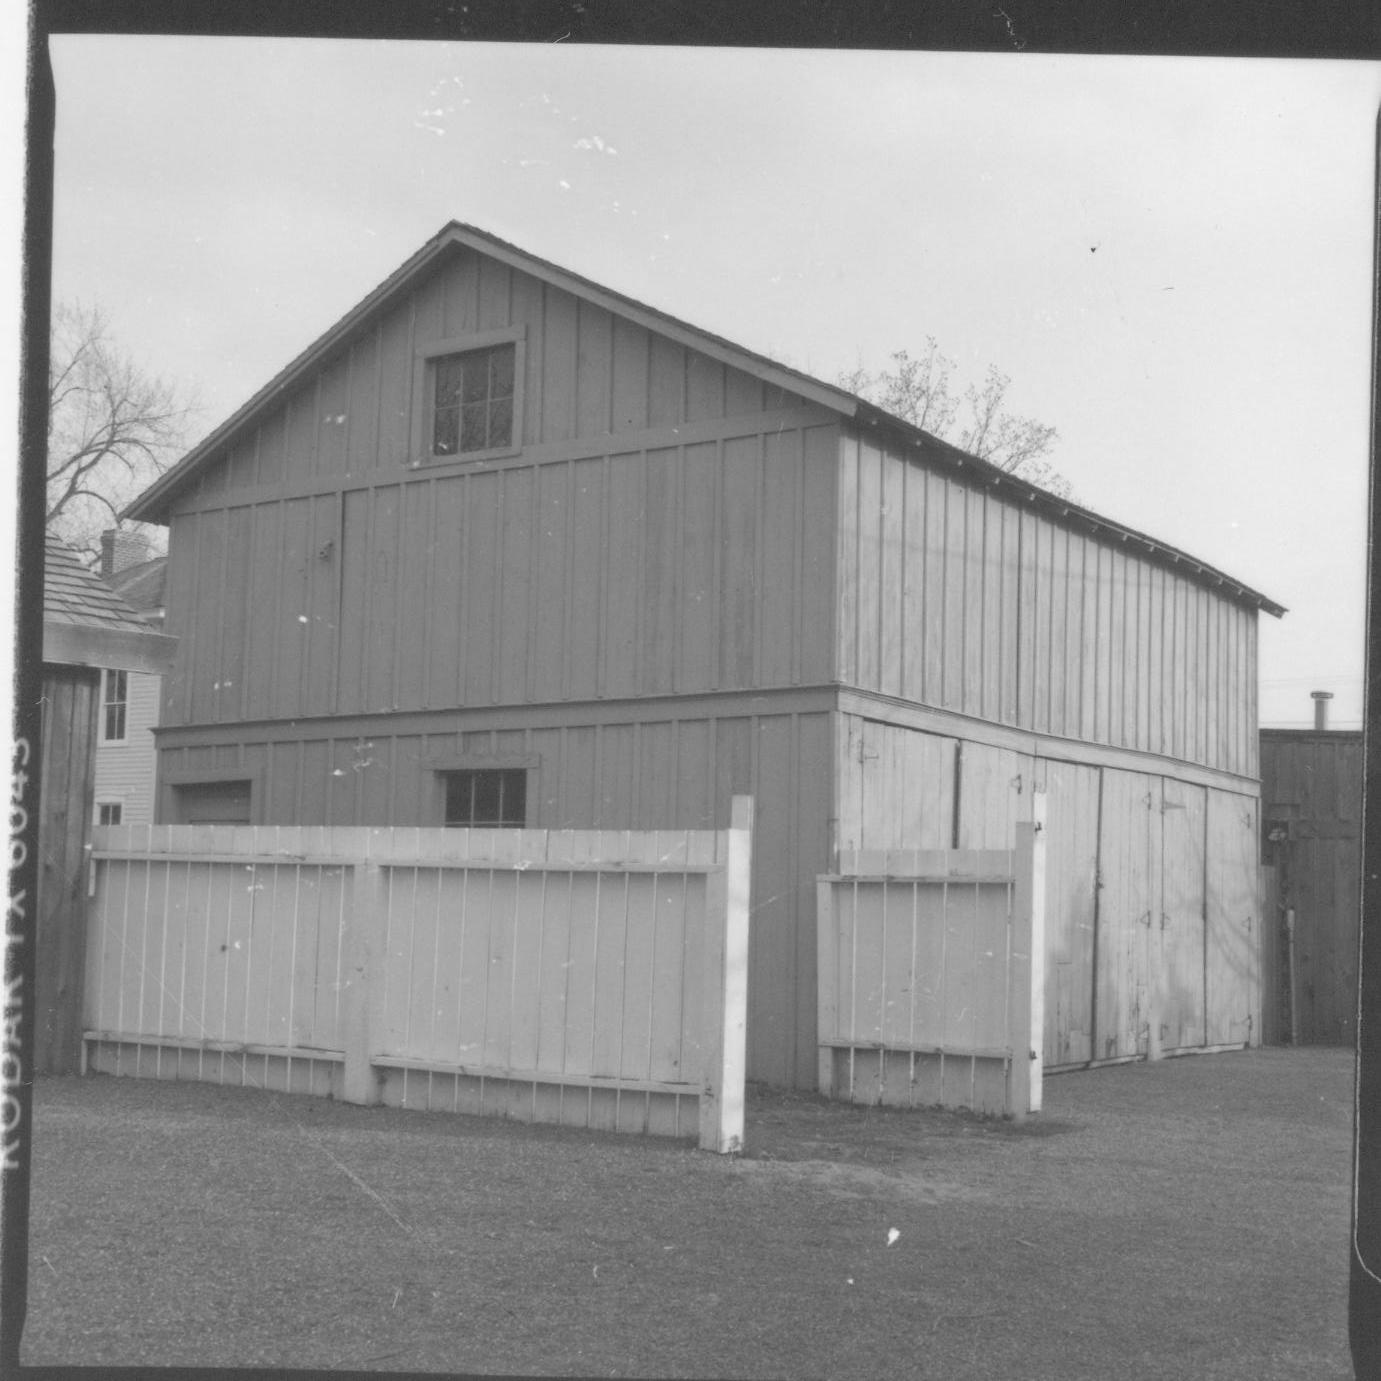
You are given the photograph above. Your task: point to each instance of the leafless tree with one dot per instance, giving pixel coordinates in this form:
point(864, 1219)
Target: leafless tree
point(112, 428)
point(918, 389)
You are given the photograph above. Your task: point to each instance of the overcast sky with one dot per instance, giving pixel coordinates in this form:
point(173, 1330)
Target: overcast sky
point(1171, 258)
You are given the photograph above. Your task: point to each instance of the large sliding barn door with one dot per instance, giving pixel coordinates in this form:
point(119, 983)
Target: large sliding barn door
point(1129, 909)
point(1180, 1004)
point(1071, 872)
point(1172, 962)
point(1232, 943)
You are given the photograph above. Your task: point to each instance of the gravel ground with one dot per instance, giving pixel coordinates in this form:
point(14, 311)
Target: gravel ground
point(1182, 1219)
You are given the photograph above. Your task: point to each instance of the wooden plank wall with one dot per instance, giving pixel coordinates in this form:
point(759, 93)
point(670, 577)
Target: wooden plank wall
point(1152, 925)
point(954, 597)
point(613, 774)
point(229, 971)
point(666, 529)
point(1232, 973)
point(1071, 844)
point(68, 755)
point(548, 976)
point(1311, 785)
point(925, 979)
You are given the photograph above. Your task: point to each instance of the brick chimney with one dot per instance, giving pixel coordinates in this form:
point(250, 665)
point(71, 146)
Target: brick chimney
point(121, 549)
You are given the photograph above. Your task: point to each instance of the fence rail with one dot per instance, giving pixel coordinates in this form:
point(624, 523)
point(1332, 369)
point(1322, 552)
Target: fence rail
point(594, 978)
point(932, 976)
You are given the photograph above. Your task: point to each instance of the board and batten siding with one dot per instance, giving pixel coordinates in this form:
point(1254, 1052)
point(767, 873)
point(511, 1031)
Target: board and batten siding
point(125, 771)
point(617, 773)
point(1312, 794)
point(664, 529)
point(955, 596)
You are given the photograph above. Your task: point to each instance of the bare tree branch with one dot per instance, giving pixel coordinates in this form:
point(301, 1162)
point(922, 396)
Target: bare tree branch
point(919, 391)
point(112, 428)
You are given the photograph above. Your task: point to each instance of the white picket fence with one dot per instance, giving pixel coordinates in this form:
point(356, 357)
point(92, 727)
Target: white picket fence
point(591, 978)
point(932, 977)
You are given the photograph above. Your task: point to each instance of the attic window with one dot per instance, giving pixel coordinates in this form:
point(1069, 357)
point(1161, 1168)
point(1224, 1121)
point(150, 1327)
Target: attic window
point(472, 401)
point(468, 396)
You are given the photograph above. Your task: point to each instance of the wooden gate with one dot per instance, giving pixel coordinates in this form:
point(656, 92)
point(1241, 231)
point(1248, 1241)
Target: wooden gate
point(597, 979)
point(928, 993)
point(1178, 930)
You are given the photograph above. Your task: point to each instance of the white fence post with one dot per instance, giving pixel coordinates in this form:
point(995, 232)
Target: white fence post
point(827, 981)
point(362, 969)
point(726, 992)
point(1026, 974)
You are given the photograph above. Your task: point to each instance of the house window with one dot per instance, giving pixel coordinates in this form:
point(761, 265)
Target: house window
point(473, 394)
point(114, 705)
point(486, 796)
point(109, 812)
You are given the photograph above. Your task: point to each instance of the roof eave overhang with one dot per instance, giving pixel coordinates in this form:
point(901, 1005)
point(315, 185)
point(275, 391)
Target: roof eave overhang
point(76, 644)
point(872, 418)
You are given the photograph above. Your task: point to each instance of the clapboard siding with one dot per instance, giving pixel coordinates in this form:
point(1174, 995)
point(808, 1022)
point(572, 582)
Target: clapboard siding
point(633, 774)
point(954, 596)
point(125, 771)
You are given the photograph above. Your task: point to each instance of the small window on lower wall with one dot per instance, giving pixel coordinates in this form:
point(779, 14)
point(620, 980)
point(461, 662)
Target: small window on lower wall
point(486, 796)
point(212, 803)
point(109, 812)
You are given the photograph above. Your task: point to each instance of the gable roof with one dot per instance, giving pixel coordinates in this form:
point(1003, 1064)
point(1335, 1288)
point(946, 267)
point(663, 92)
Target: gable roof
point(142, 586)
point(152, 505)
point(85, 623)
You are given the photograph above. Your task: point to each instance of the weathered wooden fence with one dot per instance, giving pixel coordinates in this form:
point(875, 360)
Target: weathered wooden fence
point(591, 978)
point(928, 990)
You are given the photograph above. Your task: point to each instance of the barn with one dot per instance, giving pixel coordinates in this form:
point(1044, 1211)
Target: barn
point(505, 546)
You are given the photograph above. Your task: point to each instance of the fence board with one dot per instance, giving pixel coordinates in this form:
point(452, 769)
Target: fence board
point(561, 977)
point(930, 988)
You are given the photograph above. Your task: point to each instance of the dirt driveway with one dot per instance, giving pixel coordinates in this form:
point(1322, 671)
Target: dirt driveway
point(1183, 1219)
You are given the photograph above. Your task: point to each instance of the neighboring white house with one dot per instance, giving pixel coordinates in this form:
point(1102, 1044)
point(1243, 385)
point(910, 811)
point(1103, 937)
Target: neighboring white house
point(129, 700)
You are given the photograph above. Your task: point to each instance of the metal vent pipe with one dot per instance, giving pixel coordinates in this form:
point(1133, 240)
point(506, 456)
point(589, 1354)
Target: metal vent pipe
point(1321, 699)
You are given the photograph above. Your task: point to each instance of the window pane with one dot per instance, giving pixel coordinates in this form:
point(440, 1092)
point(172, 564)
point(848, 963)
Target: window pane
point(501, 422)
point(445, 436)
point(486, 797)
point(514, 799)
point(501, 372)
point(449, 372)
point(476, 385)
point(473, 433)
